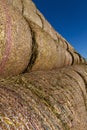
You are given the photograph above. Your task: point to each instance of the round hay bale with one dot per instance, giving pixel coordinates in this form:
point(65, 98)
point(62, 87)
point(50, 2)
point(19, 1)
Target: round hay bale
point(15, 41)
point(47, 54)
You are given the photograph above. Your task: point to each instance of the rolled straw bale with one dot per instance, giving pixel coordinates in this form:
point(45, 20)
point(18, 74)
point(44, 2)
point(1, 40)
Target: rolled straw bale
point(45, 100)
point(15, 41)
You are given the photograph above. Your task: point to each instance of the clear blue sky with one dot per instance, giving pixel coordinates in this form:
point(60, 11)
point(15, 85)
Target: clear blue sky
point(69, 18)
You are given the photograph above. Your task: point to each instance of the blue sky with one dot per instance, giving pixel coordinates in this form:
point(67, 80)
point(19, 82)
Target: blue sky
point(69, 18)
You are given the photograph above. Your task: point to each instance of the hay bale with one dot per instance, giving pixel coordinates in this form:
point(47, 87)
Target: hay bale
point(45, 100)
point(15, 41)
point(47, 54)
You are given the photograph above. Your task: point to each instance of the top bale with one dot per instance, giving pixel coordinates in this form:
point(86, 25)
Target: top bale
point(15, 41)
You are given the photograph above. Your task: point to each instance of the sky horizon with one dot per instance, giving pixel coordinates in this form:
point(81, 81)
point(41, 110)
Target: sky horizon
point(69, 18)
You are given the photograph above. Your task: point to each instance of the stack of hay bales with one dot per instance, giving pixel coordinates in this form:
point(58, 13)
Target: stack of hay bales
point(43, 80)
point(28, 42)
